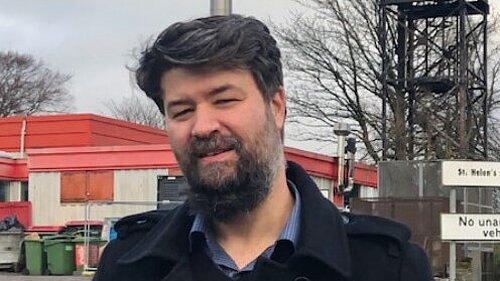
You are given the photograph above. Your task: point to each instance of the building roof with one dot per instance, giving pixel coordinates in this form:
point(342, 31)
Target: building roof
point(74, 130)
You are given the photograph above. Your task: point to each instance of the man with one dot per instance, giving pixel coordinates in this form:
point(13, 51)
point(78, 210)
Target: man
point(250, 214)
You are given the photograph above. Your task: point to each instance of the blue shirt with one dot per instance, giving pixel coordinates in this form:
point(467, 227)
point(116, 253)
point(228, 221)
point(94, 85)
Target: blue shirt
point(289, 233)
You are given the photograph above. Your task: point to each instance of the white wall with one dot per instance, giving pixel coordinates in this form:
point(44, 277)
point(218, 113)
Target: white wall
point(129, 186)
point(368, 192)
point(14, 193)
point(324, 185)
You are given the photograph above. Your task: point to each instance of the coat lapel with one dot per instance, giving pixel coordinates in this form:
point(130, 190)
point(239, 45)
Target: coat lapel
point(181, 272)
point(322, 235)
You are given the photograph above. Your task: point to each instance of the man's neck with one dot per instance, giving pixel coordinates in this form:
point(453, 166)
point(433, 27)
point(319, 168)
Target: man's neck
point(247, 237)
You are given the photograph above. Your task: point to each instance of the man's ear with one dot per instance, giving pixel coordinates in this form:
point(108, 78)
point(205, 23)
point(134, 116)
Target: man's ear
point(278, 107)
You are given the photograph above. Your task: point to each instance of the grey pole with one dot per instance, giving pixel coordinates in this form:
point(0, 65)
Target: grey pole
point(220, 7)
point(453, 246)
point(342, 130)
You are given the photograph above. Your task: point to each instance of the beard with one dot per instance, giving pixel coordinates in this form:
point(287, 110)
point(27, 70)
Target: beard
point(224, 191)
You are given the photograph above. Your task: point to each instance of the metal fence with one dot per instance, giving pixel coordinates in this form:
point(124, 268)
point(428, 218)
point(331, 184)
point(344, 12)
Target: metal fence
point(117, 210)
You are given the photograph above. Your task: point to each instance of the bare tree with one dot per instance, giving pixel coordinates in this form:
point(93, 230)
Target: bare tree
point(28, 86)
point(140, 110)
point(333, 60)
point(494, 105)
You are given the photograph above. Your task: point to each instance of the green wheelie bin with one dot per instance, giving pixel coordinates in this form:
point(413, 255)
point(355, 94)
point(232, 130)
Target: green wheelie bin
point(36, 258)
point(60, 255)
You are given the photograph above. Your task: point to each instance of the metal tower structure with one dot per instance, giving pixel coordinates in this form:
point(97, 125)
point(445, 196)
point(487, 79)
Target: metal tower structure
point(434, 73)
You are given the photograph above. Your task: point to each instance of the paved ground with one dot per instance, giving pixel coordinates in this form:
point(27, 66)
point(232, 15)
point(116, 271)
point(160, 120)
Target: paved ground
point(5, 276)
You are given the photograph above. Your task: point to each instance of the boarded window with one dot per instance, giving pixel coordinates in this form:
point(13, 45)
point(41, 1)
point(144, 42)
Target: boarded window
point(82, 186)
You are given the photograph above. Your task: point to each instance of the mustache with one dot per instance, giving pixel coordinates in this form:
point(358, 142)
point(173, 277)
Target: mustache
point(213, 143)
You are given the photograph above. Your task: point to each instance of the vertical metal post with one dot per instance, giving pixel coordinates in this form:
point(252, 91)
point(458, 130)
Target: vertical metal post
point(420, 179)
point(23, 138)
point(383, 42)
point(411, 89)
point(485, 75)
point(341, 130)
point(86, 234)
point(341, 161)
point(466, 210)
point(480, 245)
point(220, 7)
point(453, 246)
point(463, 85)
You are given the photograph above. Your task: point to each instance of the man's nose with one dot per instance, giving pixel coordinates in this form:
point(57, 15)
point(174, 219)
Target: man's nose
point(206, 122)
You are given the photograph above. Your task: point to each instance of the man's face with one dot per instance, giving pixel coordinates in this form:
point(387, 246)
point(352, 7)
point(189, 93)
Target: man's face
point(225, 138)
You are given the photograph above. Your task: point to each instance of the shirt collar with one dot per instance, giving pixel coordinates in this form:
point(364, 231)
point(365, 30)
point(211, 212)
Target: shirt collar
point(290, 232)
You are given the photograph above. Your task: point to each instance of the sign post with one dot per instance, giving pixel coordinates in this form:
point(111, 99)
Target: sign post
point(453, 245)
point(467, 227)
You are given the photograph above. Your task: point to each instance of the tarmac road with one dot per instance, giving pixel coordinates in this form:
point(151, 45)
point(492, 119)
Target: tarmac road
point(6, 276)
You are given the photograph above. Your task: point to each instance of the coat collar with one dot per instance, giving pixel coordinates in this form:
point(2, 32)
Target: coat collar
point(167, 240)
point(322, 235)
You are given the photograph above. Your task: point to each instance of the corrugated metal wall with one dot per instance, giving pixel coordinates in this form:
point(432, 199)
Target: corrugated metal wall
point(130, 186)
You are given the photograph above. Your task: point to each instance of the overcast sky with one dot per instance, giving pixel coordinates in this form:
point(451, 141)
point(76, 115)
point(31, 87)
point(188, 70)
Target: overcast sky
point(93, 40)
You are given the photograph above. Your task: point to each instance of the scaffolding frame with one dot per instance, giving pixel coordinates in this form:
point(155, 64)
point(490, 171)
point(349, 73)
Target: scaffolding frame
point(437, 49)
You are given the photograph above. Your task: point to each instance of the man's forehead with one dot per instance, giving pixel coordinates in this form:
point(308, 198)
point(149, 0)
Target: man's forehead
point(180, 80)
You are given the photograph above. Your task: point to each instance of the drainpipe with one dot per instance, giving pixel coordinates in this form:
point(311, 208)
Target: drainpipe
point(350, 157)
point(23, 136)
point(342, 130)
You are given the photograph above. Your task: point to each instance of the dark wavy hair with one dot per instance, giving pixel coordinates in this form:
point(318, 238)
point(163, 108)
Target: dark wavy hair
point(212, 43)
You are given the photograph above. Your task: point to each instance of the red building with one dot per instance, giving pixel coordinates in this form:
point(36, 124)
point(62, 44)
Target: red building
point(84, 166)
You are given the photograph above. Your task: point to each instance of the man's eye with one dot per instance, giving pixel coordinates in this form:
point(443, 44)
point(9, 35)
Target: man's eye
point(225, 101)
point(181, 113)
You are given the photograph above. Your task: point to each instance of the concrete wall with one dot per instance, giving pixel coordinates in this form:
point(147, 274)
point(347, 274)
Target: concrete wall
point(130, 188)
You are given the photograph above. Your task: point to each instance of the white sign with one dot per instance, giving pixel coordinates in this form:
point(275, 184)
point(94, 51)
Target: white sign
point(470, 227)
point(470, 173)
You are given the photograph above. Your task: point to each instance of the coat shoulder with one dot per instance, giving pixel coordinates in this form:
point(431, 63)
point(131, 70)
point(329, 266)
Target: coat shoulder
point(131, 230)
point(142, 222)
point(377, 242)
point(367, 225)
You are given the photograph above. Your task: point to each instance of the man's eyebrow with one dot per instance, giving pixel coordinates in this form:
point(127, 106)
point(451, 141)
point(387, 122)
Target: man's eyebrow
point(220, 89)
point(173, 103)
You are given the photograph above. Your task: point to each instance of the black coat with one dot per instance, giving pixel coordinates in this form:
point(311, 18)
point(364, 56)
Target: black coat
point(332, 246)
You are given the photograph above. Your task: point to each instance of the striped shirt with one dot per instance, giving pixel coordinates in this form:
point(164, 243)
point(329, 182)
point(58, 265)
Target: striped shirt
point(289, 233)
